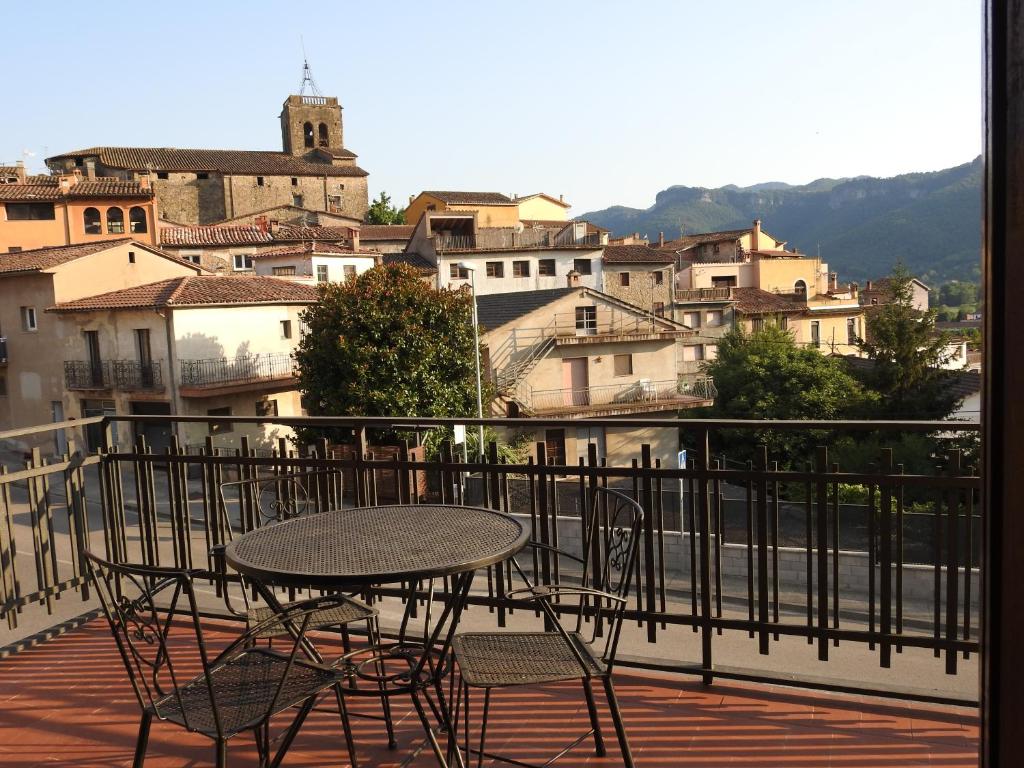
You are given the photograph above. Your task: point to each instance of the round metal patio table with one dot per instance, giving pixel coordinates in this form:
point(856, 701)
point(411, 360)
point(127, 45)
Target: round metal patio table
point(404, 543)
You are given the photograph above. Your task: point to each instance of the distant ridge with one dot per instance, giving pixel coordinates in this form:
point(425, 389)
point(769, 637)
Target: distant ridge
point(863, 225)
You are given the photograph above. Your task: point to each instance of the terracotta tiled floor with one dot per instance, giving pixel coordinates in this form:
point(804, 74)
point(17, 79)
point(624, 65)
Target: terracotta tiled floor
point(67, 703)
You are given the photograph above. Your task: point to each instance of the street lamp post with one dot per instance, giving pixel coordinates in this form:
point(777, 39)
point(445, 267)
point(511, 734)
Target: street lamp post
point(476, 350)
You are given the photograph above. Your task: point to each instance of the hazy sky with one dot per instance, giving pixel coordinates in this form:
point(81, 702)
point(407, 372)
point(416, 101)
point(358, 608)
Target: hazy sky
point(604, 102)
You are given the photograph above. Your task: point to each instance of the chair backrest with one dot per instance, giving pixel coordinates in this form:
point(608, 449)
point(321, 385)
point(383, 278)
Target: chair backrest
point(143, 630)
point(611, 554)
point(281, 496)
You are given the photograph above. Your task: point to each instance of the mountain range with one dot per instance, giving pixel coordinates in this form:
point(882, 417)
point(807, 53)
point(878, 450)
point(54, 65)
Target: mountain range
point(861, 226)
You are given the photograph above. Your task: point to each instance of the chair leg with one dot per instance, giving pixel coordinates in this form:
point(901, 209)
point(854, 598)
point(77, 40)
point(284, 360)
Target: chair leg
point(483, 726)
point(620, 729)
point(222, 753)
point(346, 725)
point(289, 735)
point(428, 729)
point(595, 721)
point(373, 636)
point(143, 741)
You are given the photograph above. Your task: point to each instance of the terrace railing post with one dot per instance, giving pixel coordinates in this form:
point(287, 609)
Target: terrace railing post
point(704, 531)
point(41, 529)
point(952, 560)
point(647, 502)
point(358, 470)
point(78, 519)
point(885, 557)
point(9, 587)
point(821, 470)
point(762, 549)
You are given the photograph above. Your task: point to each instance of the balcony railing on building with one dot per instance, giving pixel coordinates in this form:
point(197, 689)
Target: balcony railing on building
point(632, 396)
point(127, 375)
point(3, 350)
point(703, 294)
point(244, 369)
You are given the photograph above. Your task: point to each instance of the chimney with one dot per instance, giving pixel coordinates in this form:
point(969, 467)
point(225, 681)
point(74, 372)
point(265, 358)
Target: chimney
point(755, 236)
point(833, 282)
point(573, 279)
point(20, 170)
point(144, 180)
point(561, 198)
point(661, 239)
point(90, 169)
point(353, 233)
point(411, 198)
point(868, 286)
point(261, 223)
point(854, 288)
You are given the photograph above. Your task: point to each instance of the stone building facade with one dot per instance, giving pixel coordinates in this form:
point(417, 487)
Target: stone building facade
point(206, 186)
point(640, 275)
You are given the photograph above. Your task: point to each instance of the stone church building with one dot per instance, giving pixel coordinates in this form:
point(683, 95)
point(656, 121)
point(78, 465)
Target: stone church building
point(206, 186)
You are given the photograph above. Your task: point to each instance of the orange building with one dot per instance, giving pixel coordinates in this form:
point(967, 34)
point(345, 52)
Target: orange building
point(43, 211)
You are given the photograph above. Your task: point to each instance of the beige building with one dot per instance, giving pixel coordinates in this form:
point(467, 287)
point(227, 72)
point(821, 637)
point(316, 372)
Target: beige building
point(33, 341)
point(232, 249)
point(386, 238)
point(783, 287)
point(877, 292)
point(200, 345)
point(641, 275)
point(204, 186)
point(313, 262)
point(542, 207)
point(492, 209)
point(721, 247)
point(577, 353)
point(505, 259)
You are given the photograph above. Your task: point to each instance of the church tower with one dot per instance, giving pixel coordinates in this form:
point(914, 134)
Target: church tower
point(309, 120)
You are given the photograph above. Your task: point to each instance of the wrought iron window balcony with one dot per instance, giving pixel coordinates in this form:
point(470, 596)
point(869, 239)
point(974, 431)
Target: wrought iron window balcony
point(224, 371)
point(127, 375)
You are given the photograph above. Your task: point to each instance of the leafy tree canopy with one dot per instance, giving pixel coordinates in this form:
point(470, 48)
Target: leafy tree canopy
point(387, 344)
point(908, 353)
point(765, 375)
point(381, 211)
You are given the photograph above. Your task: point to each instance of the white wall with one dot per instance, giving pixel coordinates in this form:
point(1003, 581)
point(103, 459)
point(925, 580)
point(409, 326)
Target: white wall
point(485, 285)
point(213, 332)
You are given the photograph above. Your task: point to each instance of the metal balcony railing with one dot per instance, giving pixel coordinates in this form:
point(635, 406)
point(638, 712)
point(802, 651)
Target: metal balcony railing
point(128, 375)
point(866, 554)
point(513, 240)
point(137, 375)
point(642, 391)
point(85, 374)
point(703, 294)
point(236, 370)
point(3, 350)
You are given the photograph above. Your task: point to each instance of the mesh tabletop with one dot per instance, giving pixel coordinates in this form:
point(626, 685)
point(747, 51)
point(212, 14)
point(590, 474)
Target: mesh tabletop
point(377, 545)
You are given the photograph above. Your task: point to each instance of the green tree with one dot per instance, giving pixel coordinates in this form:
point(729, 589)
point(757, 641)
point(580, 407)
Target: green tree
point(381, 211)
point(908, 353)
point(765, 375)
point(387, 344)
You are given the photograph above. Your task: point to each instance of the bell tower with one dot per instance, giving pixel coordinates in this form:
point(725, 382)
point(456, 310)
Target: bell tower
point(310, 120)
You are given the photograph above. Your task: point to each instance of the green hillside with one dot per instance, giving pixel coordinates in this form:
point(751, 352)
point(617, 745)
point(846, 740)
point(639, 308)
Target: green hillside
point(861, 226)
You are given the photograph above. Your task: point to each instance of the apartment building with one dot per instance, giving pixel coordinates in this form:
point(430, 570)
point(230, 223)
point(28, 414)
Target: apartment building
point(32, 341)
point(312, 262)
point(507, 259)
point(43, 211)
point(196, 345)
point(578, 353)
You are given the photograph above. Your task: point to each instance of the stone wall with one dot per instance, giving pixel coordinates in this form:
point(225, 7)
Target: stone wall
point(642, 290)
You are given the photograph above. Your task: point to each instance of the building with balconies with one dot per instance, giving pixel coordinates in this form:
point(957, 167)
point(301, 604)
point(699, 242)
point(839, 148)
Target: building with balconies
point(198, 346)
point(32, 358)
point(508, 259)
point(578, 353)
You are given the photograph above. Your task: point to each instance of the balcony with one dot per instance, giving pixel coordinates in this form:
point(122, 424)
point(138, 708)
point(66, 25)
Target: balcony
point(683, 295)
point(215, 376)
point(605, 324)
point(774, 621)
point(125, 375)
point(3, 350)
point(639, 396)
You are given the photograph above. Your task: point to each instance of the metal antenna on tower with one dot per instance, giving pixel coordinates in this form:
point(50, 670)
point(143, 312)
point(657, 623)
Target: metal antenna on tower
point(307, 74)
